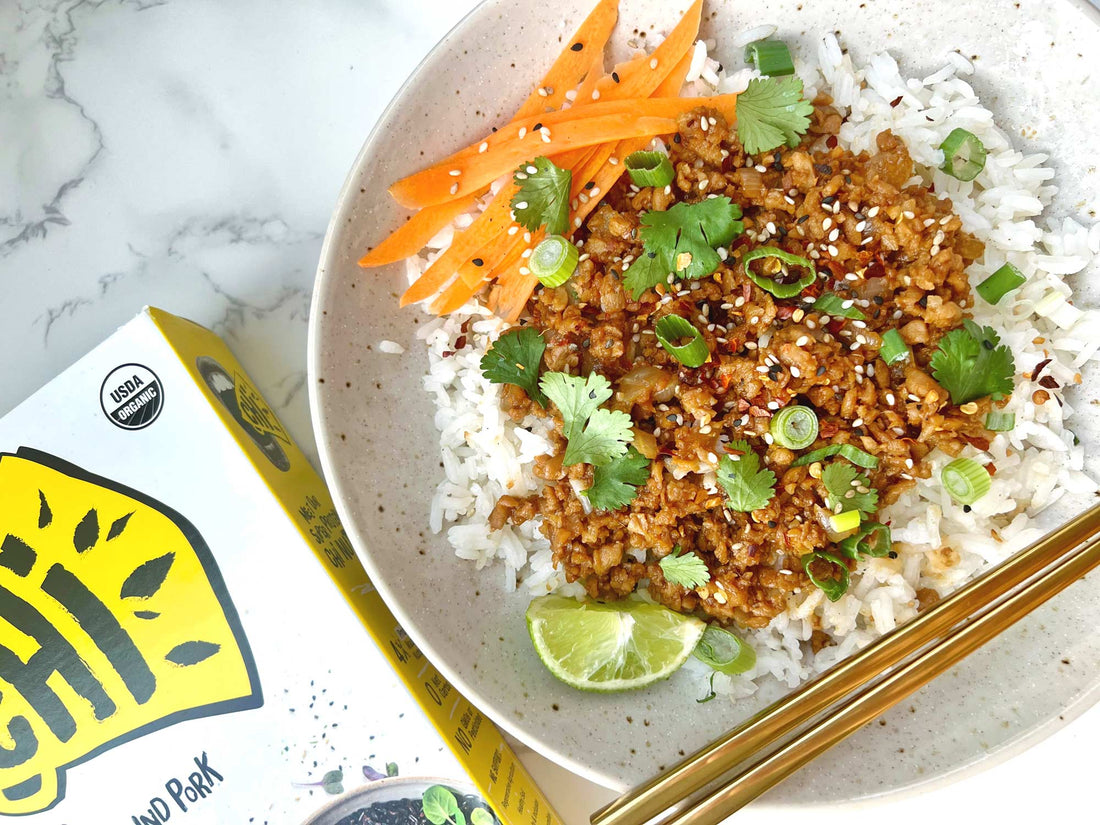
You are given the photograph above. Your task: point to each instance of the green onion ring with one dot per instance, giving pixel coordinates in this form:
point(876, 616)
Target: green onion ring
point(832, 588)
point(965, 480)
point(893, 348)
point(873, 539)
point(852, 453)
point(963, 155)
point(672, 328)
point(723, 651)
point(845, 522)
point(768, 284)
point(1000, 422)
point(772, 58)
point(1000, 283)
point(554, 261)
point(649, 169)
point(794, 427)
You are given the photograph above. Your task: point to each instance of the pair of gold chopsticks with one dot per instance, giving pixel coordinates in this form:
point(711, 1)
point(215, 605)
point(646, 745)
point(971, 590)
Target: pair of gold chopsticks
point(855, 691)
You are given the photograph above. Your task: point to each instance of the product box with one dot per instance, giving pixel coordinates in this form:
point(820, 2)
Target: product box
point(182, 615)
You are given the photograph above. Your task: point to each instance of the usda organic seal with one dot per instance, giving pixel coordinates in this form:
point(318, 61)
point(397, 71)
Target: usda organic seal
point(131, 396)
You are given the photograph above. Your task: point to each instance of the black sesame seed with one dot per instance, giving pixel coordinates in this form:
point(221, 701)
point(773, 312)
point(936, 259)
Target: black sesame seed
point(803, 219)
point(615, 76)
point(893, 554)
point(478, 262)
point(829, 201)
point(923, 302)
point(773, 524)
point(590, 184)
point(966, 508)
point(823, 168)
point(848, 179)
point(987, 343)
point(536, 127)
point(676, 138)
point(821, 370)
point(878, 299)
point(577, 47)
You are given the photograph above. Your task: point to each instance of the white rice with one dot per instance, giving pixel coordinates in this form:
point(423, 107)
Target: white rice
point(486, 455)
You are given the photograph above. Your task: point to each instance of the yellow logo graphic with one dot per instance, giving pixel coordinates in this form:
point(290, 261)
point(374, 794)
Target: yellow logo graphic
point(114, 622)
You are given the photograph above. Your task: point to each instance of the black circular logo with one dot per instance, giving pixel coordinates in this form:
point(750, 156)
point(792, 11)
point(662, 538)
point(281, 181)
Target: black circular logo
point(131, 396)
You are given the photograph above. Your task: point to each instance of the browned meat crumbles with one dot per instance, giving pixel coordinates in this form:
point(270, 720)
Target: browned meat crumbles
point(894, 248)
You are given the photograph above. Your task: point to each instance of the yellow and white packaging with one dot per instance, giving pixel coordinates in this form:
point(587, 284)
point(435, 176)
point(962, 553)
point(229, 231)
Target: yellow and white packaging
point(173, 642)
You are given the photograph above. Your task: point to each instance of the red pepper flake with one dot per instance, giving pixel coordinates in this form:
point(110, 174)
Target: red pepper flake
point(831, 141)
point(977, 442)
point(875, 269)
point(784, 312)
point(895, 102)
point(991, 469)
point(461, 342)
point(1035, 373)
point(1048, 382)
point(829, 428)
point(836, 325)
point(447, 354)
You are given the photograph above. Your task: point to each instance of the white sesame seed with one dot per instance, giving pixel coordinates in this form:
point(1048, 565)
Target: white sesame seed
point(594, 191)
point(796, 372)
point(524, 271)
point(890, 399)
point(858, 422)
point(712, 458)
point(789, 199)
point(761, 369)
point(833, 251)
point(802, 341)
point(834, 234)
point(512, 230)
point(872, 211)
point(768, 438)
point(928, 222)
point(935, 250)
point(614, 161)
point(653, 63)
point(545, 136)
point(771, 227)
point(860, 226)
point(526, 253)
point(523, 134)
point(595, 94)
point(761, 168)
point(825, 224)
point(484, 147)
point(867, 240)
point(577, 222)
point(946, 219)
point(521, 205)
point(532, 170)
point(908, 215)
point(454, 188)
point(703, 124)
point(571, 95)
point(703, 184)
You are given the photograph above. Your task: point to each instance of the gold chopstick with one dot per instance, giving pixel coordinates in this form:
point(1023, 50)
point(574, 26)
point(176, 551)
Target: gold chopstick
point(648, 801)
point(858, 711)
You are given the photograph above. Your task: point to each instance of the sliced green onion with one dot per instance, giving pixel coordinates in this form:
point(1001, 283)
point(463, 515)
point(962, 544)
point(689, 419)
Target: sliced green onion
point(786, 290)
point(553, 261)
point(873, 539)
point(852, 453)
point(723, 651)
point(1000, 422)
point(965, 480)
point(893, 348)
point(673, 328)
point(1000, 283)
point(835, 587)
point(832, 304)
point(844, 522)
point(649, 169)
point(794, 427)
point(963, 155)
point(772, 58)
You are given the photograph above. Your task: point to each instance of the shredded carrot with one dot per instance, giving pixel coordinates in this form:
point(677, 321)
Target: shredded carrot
point(412, 235)
point(471, 278)
point(600, 122)
point(573, 63)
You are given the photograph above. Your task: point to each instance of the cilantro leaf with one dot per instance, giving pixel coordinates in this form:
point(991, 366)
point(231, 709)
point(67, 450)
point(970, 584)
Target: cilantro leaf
point(684, 569)
point(833, 305)
point(969, 364)
point(594, 436)
point(616, 483)
point(681, 241)
point(771, 112)
point(543, 196)
point(748, 487)
point(843, 483)
point(514, 359)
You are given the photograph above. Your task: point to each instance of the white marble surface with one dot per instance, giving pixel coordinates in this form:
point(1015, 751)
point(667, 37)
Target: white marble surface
point(186, 155)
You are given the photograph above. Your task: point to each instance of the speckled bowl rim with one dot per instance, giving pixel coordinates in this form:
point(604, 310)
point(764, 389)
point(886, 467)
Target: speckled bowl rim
point(991, 758)
point(365, 792)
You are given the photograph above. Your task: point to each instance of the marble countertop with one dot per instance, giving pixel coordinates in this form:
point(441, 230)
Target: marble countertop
point(187, 155)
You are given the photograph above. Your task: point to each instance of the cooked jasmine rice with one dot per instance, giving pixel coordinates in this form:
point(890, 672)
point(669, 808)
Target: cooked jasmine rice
point(939, 544)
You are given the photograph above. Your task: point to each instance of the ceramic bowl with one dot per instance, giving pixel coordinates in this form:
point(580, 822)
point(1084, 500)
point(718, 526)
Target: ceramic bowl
point(1034, 62)
point(394, 789)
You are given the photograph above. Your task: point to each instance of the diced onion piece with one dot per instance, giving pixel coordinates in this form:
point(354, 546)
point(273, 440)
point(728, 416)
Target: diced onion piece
point(1000, 422)
point(963, 155)
point(965, 480)
point(554, 261)
point(893, 347)
point(849, 451)
point(1000, 283)
point(724, 651)
point(772, 58)
point(785, 290)
point(844, 522)
point(834, 587)
point(649, 169)
point(673, 328)
point(794, 427)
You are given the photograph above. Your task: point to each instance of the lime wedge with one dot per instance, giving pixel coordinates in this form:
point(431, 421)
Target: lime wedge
point(610, 647)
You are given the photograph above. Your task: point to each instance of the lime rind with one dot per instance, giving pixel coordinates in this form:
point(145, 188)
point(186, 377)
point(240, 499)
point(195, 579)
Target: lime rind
point(604, 648)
